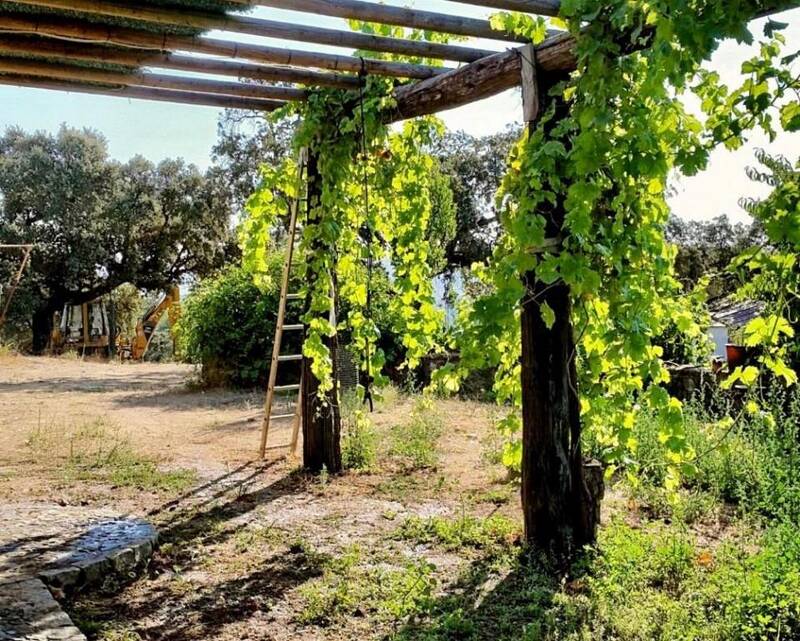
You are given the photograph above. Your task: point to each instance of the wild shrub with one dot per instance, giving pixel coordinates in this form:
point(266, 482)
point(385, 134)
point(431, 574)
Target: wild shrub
point(750, 458)
point(657, 583)
point(359, 441)
point(228, 326)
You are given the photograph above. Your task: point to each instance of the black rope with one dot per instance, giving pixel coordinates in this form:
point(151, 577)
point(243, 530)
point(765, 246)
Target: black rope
point(368, 235)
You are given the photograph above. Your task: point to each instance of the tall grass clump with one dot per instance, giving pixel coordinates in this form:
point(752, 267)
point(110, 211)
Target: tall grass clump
point(359, 437)
point(416, 441)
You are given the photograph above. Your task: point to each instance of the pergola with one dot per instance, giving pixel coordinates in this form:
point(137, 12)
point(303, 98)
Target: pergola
point(107, 47)
point(103, 47)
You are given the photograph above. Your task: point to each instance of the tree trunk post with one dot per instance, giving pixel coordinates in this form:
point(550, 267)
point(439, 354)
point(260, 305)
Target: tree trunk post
point(322, 423)
point(42, 327)
point(561, 494)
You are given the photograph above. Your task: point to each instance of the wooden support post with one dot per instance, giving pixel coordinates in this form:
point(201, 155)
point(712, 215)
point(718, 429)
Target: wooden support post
point(322, 423)
point(560, 494)
point(26, 256)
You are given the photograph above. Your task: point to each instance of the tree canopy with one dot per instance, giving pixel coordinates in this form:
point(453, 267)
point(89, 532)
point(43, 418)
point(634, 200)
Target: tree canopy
point(98, 223)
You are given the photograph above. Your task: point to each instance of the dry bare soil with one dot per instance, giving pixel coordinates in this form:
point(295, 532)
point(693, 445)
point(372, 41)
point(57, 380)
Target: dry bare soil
point(250, 549)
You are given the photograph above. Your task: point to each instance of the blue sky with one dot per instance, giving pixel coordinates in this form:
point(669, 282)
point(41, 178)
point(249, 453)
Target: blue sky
point(159, 130)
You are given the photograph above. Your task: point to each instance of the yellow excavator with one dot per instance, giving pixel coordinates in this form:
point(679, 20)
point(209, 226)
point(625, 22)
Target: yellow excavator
point(136, 349)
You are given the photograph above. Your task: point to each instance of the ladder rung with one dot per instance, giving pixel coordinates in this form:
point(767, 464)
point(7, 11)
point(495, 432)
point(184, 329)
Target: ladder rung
point(290, 357)
point(287, 388)
point(293, 328)
point(279, 417)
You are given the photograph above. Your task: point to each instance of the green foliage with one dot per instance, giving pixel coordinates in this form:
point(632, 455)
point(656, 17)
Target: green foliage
point(128, 306)
point(402, 187)
point(97, 223)
point(750, 460)
point(359, 436)
point(772, 273)
point(466, 531)
point(416, 441)
point(475, 167)
point(593, 174)
point(354, 586)
point(228, 326)
point(96, 451)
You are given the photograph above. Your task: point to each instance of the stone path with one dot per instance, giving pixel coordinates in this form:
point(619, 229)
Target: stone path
point(64, 549)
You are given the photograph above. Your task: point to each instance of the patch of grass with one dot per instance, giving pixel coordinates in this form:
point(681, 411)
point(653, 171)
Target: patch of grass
point(352, 585)
point(653, 583)
point(96, 451)
point(416, 441)
point(750, 459)
point(494, 532)
point(256, 537)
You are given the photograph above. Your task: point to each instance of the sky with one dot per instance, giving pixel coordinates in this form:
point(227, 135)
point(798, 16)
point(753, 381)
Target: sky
point(159, 130)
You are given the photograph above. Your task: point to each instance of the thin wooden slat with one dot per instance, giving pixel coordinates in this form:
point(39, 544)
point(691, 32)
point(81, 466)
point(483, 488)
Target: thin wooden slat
point(142, 93)
point(102, 34)
point(387, 14)
point(266, 28)
point(51, 47)
point(540, 7)
point(62, 71)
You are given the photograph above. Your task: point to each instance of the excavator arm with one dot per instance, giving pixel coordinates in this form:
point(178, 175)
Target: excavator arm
point(146, 327)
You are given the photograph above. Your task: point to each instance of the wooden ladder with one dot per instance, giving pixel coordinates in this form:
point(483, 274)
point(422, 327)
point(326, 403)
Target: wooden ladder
point(301, 195)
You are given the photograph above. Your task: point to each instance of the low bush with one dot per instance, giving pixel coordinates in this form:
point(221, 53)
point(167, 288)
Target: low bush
point(359, 439)
point(228, 325)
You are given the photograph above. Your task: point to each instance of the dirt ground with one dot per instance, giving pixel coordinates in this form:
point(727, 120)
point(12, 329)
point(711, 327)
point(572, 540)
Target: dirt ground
point(241, 545)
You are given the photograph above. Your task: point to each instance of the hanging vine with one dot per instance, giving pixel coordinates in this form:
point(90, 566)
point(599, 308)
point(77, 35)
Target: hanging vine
point(347, 228)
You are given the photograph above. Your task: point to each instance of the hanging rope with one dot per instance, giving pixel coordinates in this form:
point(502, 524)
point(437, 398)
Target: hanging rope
point(366, 234)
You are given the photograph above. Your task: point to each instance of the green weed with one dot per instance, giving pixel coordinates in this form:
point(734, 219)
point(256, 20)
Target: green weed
point(96, 451)
point(416, 442)
point(359, 442)
point(453, 534)
point(352, 585)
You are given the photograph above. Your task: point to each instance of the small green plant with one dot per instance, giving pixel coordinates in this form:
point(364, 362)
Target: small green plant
point(352, 585)
point(416, 442)
point(359, 442)
point(466, 531)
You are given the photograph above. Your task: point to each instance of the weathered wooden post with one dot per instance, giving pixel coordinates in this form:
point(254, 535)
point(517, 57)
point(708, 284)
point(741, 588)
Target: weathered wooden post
point(560, 494)
point(322, 423)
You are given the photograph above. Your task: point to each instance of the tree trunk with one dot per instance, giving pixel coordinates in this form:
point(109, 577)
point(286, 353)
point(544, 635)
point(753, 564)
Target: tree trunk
point(560, 493)
point(322, 423)
point(42, 326)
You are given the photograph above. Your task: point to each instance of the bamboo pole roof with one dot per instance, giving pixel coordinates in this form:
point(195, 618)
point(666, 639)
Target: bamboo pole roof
point(121, 48)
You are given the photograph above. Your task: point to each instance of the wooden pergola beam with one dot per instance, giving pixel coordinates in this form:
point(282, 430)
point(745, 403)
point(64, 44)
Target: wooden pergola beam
point(62, 71)
point(53, 48)
point(265, 28)
point(397, 16)
point(93, 33)
point(482, 79)
point(541, 7)
point(143, 93)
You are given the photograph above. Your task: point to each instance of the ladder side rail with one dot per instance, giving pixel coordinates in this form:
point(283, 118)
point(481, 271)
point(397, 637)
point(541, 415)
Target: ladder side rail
point(276, 347)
